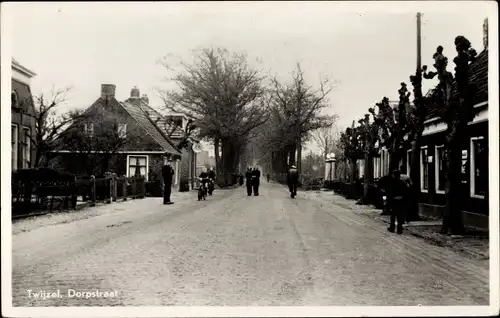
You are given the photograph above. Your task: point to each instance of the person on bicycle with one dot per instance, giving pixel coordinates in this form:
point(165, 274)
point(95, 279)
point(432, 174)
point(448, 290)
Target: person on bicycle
point(204, 179)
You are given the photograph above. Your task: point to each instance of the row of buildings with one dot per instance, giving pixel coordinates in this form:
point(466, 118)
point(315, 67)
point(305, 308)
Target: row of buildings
point(474, 173)
point(145, 135)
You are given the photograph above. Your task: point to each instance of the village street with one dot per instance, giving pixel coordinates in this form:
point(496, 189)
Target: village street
point(238, 250)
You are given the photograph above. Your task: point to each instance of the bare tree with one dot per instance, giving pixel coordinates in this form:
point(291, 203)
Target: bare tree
point(225, 97)
point(296, 111)
point(49, 125)
point(326, 138)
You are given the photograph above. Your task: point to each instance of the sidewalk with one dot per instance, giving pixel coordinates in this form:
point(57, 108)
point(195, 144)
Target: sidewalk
point(85, 212)
point(475, 244)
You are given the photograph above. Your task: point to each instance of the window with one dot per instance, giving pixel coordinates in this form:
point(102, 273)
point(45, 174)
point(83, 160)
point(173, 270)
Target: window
point(439, 169)
point(14, 100)
point(14, 145)
point(478, 167)
point(137, 165)
point(424, 169)
point(89, 129)
point(122, 131)
point(26, 148)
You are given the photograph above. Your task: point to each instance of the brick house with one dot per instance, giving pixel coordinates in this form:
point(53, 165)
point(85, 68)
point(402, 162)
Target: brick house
point(475, 173)
point(172, 126)
point(23, 118)
point(140, 151)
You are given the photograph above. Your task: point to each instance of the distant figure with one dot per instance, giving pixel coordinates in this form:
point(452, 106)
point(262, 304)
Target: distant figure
point(240, 177)
point(293, 181)
point(398, 194)
point(248, 177)
point(268, 176)
point(167, 173)
point(256, 181)
point(211, 173)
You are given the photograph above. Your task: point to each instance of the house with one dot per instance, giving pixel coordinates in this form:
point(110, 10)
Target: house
point(172, 126)
point(475, 174)
point(23, 117)
point(114, 136)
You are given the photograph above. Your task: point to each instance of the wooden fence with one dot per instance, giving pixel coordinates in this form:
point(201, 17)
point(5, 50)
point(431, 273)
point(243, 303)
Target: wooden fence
point(39, 191)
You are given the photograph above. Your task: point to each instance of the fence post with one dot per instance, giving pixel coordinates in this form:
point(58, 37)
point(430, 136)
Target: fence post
point(143, 187)
point(92, 191)
point(110, 188)
point(114, 187)
point(124, 187)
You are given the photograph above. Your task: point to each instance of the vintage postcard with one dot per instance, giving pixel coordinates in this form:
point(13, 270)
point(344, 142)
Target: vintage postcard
point(250, 159)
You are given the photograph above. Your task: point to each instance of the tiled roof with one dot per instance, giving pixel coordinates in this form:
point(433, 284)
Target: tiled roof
point(160, 121)
point(478, 75)
point(142, 118)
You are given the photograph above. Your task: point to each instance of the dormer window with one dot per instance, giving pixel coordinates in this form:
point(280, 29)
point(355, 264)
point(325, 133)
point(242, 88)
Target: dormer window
point(14, 99)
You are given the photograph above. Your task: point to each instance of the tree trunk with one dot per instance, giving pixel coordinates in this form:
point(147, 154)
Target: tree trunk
point(415, 177)
point(452, 219)
point(299, 157)
point(218, 162)
point(368, 178)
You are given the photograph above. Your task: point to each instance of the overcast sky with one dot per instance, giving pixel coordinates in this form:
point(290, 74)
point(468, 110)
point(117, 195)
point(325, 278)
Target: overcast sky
point(367, 48)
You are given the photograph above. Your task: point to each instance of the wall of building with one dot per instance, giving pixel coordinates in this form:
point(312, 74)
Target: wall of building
point(22, 124)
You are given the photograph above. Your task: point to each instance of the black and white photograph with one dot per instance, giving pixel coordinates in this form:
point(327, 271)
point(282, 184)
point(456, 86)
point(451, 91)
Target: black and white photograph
point(217, 159)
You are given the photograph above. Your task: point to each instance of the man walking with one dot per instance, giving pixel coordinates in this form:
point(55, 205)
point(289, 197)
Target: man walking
point(248, 177)
point(293, 180)
point(398, 193)
point(167, 173)
point(256, 181)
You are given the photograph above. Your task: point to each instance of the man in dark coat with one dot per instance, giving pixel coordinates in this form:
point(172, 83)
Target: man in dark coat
point(167, 173)
point(398, 191)
point(211, 173)
point(293, 181)
point(256, 181)
point(248, 177)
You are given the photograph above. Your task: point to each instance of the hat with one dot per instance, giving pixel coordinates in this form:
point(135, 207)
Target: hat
point(293, 166)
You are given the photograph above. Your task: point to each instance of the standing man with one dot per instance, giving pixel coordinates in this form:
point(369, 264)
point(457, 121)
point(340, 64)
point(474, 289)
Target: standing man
point(248, 177)
point(293, 180)
point(398, 193)
point(167, 173)
point(256, 181)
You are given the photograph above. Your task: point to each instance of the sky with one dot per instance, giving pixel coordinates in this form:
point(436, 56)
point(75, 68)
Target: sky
point(366, 49)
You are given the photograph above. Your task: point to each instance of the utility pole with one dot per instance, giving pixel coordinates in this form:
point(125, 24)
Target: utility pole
point(419, 42)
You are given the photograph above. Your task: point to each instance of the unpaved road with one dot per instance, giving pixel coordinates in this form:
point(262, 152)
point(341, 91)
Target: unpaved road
point(237, 250)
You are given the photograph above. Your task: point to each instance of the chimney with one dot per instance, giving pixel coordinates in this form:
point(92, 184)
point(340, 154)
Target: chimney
point(485, 34)
point(135, 93)
point(108, 91)
point(145, 99)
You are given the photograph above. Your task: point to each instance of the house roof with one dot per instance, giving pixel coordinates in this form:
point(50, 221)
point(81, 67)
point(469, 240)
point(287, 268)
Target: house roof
point(158, 119)
point(142, 119)
point(478, 75)
point(16, 65)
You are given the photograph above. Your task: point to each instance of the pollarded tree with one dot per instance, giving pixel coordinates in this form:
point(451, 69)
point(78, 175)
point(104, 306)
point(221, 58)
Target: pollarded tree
point(457, 111)
point(225, 97)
